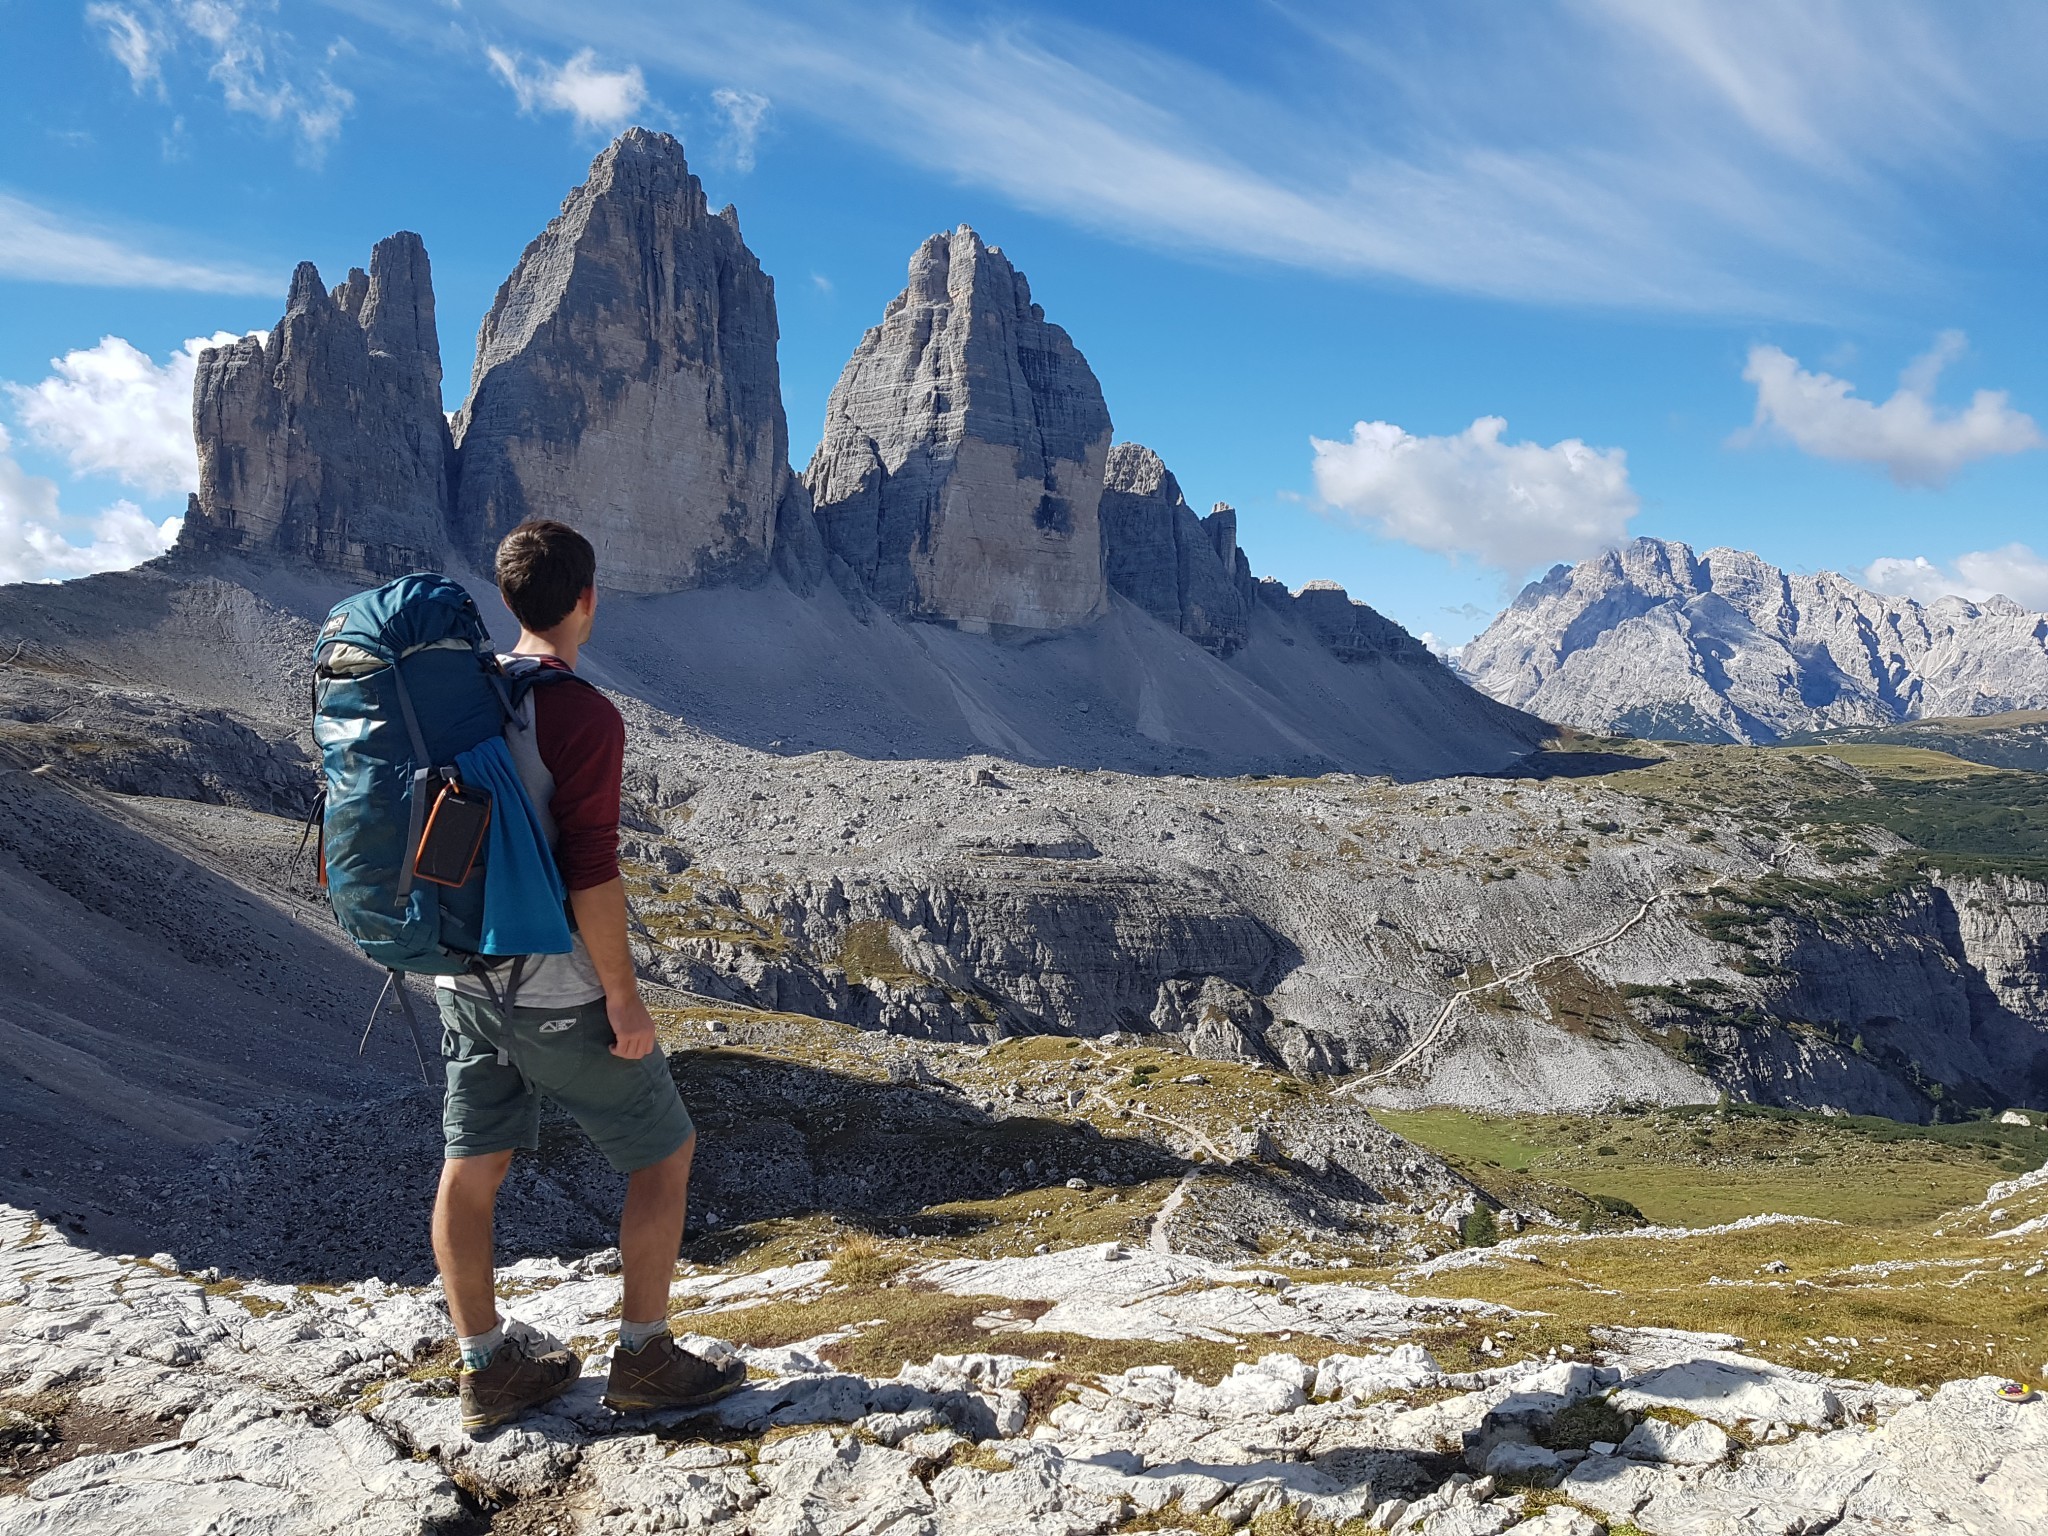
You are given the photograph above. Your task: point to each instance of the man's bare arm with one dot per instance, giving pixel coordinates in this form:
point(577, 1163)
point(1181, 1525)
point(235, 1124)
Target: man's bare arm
point(601, 919)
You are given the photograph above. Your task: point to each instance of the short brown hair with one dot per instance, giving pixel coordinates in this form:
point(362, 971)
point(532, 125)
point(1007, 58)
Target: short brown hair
point(543, 567)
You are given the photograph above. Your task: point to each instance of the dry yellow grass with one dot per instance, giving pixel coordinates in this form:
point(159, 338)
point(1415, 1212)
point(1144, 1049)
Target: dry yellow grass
point(862, 1260)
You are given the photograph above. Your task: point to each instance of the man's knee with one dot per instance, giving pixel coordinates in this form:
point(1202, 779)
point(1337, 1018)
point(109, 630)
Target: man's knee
point(474, 1178)
point(674, 1168)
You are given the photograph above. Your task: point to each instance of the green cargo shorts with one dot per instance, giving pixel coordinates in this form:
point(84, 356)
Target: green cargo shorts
point(498, 1072)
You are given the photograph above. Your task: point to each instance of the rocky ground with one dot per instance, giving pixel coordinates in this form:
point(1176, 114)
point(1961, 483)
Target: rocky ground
point(1044, 1285)
point(1056, 1081)
point(1861, 927)
point(142, 1398)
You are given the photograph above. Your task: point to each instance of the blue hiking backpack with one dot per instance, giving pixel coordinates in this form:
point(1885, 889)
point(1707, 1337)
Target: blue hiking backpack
point(404, 681)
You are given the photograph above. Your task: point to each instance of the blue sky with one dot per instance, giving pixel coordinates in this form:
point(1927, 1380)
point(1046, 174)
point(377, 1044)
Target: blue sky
point(1686, 251)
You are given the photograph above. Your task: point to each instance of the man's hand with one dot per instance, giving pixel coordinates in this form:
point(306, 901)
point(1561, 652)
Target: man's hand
point(601, 919)
point(632, 1026)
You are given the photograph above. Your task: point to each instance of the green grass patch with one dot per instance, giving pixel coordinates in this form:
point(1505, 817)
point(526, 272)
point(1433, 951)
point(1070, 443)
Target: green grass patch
point(1698, 1166)
point(867, 954)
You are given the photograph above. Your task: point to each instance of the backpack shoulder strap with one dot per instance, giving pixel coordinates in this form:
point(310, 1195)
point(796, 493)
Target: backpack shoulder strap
point(523, 674)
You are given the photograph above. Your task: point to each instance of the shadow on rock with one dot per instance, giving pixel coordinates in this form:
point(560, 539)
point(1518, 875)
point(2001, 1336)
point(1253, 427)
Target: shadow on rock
point(1572, 765)
point(334, 1196)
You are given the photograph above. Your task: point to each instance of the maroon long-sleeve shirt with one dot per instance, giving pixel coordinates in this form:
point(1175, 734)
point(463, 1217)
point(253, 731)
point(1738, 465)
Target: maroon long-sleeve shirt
point(582, 740)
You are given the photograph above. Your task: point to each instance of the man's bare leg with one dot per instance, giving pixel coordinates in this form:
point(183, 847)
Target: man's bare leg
point(463, 1238)
point(651, 1233)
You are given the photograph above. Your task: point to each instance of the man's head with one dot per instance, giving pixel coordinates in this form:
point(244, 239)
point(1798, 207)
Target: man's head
point(547, 573)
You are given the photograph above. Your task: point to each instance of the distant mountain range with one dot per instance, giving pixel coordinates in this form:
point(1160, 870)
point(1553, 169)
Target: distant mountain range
point(1652, 640)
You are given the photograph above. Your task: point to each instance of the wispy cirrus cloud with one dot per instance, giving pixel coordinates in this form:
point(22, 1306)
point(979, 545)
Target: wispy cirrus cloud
point(1678, 156)
point(744, 113)
point(260, 69)
point(40, 245)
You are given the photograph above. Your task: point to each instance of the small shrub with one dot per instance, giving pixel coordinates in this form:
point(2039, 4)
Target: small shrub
point(1614, 1205)
point(1605, 1152)
point(1479, 1230)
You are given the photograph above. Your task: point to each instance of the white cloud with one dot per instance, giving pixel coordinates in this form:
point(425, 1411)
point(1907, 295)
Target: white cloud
point(40, 542)
point(1915, 441)
point(599, 99)
point(137, 45)
point(744, 112)
point(41, 246)
point(256, 66)
point(2014, 571)
point(111, 410)
point(1512, 506)
point(1587, 152)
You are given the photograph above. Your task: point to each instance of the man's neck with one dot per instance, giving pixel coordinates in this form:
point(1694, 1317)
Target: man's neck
point(555, 643)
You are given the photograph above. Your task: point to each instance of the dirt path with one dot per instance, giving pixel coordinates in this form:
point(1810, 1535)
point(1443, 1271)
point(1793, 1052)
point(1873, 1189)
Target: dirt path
point(1155, 1231)
point(1440, 1025)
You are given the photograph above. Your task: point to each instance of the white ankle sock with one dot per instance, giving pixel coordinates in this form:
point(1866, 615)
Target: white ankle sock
point(634, 1337)
point(477, 1348)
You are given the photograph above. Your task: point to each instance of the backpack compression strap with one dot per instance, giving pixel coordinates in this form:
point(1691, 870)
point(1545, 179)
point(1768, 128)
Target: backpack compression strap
point(419, 1045)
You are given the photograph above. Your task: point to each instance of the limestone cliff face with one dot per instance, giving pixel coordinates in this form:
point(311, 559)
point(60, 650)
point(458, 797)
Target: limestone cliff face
point(960, 472)
point(1186, 571)
point(1350, 630)
point(1653, 640)
point(325, 442)
point(626, 383)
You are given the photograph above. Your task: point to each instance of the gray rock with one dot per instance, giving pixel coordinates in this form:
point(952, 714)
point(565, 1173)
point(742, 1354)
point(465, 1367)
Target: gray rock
point(1511, 1458)
point(1729, 1389)
point(1186, 571)
point(290, 1412)
point(325, 443)
point(1220, 1020)
point(1651, 640)
point(626, 382)
point(960, 472)
point(1350, 630)
point(1558, 1520)
point(1700, 1444)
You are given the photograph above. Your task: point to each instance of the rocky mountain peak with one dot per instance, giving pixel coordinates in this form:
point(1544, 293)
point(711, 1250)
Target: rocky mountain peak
point(1187, 572)
point(1651, 639)
point(397, 311)
point(960, 472)
point(325, 442)
point(626, 382)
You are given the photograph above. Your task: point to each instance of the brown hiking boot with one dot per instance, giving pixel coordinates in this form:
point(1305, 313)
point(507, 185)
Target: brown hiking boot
point(528, 1369)
point(660, 1375)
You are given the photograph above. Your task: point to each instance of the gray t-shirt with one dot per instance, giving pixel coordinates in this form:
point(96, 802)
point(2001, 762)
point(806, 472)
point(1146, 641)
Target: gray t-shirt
point(546, 981)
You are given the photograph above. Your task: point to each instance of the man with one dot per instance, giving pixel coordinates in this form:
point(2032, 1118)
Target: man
point(574, 1029)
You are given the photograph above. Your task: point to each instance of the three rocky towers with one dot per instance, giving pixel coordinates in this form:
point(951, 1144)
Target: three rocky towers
point(626, 381)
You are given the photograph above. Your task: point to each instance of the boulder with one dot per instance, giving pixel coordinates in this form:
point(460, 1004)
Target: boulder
point(324, 442)
point(959, 477)
point(626, 382)
point(1699, 1444)
point(1730, 1391)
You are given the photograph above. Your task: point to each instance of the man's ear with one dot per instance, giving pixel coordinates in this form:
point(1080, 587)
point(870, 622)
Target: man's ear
point(586, 604)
